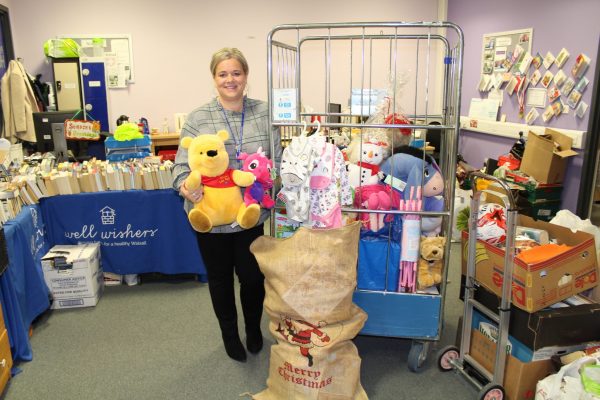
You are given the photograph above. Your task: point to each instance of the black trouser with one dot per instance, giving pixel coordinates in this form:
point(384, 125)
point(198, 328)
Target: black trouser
point(224, 253)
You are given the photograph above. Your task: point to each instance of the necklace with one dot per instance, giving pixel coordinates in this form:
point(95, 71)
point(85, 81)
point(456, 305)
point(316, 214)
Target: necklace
point(240, 137)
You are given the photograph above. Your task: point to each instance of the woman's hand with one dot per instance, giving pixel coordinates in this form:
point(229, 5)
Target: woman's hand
point(192, 195)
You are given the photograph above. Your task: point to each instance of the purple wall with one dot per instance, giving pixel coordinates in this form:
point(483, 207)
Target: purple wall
point(556, 24)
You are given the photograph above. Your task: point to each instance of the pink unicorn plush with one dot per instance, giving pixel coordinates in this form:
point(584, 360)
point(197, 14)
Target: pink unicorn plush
point(261, 167)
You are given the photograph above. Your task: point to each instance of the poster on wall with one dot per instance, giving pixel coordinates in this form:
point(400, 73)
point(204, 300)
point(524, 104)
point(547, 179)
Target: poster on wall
point(501, 51)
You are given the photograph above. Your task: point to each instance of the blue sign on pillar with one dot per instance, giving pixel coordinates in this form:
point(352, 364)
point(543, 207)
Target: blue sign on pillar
point(95, 100)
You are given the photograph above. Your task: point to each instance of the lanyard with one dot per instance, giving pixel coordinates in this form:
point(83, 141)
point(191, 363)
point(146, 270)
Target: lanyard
point(239, 139)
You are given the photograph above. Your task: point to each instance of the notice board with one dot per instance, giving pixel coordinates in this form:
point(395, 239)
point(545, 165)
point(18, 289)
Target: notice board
point(117, 51)
point(502, 49)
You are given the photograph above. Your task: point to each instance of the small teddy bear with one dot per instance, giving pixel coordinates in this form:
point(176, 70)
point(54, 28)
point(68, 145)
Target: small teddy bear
point(222, 201)
point(431, 261)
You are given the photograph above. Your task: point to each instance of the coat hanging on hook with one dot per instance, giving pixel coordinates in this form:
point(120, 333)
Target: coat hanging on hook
point(18, 104)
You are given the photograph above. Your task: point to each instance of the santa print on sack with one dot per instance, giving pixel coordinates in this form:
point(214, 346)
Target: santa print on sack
point(303, 334)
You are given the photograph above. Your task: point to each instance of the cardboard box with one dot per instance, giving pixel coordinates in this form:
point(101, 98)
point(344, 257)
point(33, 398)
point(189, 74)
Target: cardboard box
point(74, 275)
point(551, 327)
point(545, 157)
point(536, 286)
point(518, 349)
point(520, 378)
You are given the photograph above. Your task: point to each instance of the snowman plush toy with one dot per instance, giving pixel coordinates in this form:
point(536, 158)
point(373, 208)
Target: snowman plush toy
point(366, 170)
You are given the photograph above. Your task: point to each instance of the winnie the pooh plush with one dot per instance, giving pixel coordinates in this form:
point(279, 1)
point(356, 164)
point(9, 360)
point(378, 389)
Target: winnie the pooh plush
point(222, 202)
point(431, 261)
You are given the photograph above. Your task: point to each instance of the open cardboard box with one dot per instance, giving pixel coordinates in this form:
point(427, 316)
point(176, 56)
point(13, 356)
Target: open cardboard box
point(520, 378)
point(545, 157)
point(536, 286)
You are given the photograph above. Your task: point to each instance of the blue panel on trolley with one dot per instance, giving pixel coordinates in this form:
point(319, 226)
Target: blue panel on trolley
point(400, 315)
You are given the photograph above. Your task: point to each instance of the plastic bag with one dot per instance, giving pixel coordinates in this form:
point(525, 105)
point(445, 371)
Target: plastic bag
point(61, 48)
point(569, 220)
point(566, 384)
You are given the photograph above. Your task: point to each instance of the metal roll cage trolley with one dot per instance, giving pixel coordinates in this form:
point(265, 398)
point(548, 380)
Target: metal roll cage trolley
point(341, 59)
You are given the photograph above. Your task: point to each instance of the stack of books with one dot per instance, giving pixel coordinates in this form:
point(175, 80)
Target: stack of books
point(31, 183)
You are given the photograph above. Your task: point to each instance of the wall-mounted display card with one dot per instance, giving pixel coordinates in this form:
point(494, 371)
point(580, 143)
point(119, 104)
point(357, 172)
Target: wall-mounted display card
point(535, 77)
point(484, 83)
point(536, 97)
point(582, 62)
point(525, 62)
point(547, 79)
point(499, 57)
point(517, 54)
point(496, 94)
point(553, 93)
point(507, 63)
point(548, 60)
point(581, 109)
point(573, 98)
point(568, 86)
point(524, 38)
point(581, 85)
point(557, 108)
point(560, 78)
point(512, 85)
point(488, 67)
point(548, 114)
point(488, 54)
point(537, 61)
point(498, 81)
point(531, 116)
point(562, 56)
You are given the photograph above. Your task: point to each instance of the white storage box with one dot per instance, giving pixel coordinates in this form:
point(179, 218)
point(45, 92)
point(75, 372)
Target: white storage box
point(74, 275)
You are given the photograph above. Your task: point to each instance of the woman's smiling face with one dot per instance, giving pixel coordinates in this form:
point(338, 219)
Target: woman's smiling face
point(230, 80)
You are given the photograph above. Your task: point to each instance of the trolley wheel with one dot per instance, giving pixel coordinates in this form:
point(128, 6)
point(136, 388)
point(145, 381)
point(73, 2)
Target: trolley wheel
point(492, 391)
point(445, 356)
point(418, 355)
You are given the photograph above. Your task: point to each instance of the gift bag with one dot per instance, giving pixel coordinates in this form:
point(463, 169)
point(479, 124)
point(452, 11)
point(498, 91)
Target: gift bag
point(309, 281)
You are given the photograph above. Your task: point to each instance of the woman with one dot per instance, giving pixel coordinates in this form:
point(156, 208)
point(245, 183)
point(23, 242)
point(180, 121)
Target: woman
point(225, 249)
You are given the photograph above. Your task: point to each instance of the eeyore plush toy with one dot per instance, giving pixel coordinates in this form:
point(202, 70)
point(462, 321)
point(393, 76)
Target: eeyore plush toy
point(409, 167)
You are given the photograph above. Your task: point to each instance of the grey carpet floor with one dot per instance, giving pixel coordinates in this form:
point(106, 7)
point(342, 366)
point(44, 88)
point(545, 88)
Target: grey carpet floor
point(160, 340)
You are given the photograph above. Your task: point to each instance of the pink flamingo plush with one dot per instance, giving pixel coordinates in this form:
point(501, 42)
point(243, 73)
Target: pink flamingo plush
point(261, 167)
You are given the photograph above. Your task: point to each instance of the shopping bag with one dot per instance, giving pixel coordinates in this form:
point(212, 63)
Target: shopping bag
point(309, 281)
point(378, 264)
point(566, 384)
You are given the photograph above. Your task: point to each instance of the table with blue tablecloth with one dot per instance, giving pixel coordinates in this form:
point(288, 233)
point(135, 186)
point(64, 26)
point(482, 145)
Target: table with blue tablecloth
point(139, 231)
point(23, 292)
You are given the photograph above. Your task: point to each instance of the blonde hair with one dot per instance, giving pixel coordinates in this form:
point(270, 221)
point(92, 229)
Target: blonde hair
point(227, 53)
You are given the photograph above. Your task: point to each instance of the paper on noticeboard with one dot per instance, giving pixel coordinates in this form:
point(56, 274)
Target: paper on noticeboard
point(536, 97)
point(117, 77)
point(484, 109)
point(121, 48)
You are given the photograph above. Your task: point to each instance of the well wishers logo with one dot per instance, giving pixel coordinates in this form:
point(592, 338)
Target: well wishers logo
point(109, 233)
point(107, 216)
point(37, 239)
